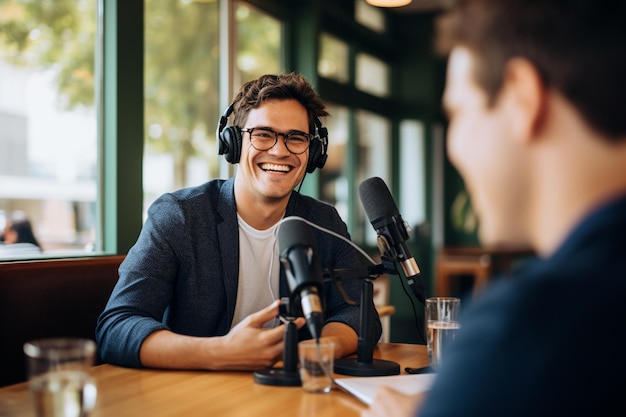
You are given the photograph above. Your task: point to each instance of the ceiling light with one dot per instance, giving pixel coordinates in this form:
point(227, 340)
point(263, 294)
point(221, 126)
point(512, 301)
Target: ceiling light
point(388, 3)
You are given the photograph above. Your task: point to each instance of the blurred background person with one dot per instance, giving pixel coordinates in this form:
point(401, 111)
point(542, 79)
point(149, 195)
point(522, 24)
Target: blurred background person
point(18, 238)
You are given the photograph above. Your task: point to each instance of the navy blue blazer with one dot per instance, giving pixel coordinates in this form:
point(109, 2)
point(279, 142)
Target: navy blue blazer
point(182, 273)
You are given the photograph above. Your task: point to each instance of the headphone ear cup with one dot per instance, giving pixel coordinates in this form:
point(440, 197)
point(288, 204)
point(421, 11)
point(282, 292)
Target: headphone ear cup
point(318, 148)
point(222, 146)
point(230, 144)
point(314, 155)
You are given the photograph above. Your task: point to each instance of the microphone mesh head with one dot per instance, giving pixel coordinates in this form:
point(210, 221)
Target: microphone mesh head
point(376, 199)
point(294, 232)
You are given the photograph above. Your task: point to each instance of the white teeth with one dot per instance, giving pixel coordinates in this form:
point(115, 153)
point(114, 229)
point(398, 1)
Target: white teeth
point(275, 167)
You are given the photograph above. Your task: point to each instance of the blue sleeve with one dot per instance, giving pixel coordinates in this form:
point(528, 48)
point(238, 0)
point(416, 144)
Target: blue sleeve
point(143, 291)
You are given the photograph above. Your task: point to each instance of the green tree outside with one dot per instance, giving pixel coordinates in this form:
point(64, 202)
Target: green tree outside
point(181, 63)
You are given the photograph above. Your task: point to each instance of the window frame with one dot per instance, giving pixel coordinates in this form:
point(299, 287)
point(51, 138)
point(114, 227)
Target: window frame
point(121, 191)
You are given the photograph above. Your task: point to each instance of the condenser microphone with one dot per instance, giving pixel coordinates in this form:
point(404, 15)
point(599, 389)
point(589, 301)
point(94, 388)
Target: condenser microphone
point(300, 259)
point(392, 231)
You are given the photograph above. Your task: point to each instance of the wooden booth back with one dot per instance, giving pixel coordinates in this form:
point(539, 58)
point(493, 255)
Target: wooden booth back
point(50, 298)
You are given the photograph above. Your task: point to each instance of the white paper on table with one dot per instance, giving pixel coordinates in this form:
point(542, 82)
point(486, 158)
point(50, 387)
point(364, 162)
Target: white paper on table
point(365, 387)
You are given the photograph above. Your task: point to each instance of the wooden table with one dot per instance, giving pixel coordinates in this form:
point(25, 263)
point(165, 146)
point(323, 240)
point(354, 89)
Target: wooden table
point(159, 393)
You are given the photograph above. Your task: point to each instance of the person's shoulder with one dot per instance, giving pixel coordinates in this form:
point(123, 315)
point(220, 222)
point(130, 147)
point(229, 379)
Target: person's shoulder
point(209, 188)
point(305, 203)
point(317, 211)
point(207, 194)
point(184, 199)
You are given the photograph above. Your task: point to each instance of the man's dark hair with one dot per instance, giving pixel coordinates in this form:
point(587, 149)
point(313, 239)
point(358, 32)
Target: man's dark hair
point(282, 86)
point(578, 47)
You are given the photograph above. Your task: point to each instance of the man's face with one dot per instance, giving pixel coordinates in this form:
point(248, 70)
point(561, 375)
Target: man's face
point(273, 174)
point(481, 146)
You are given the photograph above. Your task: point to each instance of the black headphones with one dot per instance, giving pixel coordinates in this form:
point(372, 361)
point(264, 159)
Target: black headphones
point(229, 142)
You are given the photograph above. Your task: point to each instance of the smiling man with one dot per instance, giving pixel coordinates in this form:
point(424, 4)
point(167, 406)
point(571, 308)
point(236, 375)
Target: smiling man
point(201, 288)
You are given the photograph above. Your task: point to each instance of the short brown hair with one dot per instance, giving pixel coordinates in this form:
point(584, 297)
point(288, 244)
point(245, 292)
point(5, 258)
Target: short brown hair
point(578, 47)
point(281, 86)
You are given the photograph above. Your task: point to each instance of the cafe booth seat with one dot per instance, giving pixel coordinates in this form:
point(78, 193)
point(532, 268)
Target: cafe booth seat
point(50, 298)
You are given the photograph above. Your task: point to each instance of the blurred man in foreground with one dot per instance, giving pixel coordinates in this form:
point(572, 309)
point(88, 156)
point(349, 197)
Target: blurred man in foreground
point(535, 98)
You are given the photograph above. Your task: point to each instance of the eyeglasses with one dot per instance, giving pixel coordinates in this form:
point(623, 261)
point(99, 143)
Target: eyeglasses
point(264, 139)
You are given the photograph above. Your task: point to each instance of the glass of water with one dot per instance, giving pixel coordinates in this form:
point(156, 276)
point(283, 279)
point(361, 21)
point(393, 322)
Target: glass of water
point(316, 365)
point(59, 380)
point(442, 324)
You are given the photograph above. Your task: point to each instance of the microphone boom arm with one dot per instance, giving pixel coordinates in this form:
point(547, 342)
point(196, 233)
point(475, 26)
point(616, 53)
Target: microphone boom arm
point(336, 276)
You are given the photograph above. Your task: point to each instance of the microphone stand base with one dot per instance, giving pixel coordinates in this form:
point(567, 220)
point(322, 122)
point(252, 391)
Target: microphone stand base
point(378, 367)
point(277, 377)
point(364, 364)
point(288, 375)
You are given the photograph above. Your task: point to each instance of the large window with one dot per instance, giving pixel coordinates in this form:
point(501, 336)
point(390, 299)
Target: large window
point(54, 162)
point(48, 122)
point(50, 154)
point(334, 57)
point(374, 152)
point(182, 58)
point(372, 75)
point(359, 138)
point(259, 44)
point(412, 160)
point(180, 94)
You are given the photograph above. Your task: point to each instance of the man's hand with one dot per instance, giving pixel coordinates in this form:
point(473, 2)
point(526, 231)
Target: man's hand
point(249, 346)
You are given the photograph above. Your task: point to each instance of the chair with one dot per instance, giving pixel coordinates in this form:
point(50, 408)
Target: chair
point(479, 263)
point(454, 263)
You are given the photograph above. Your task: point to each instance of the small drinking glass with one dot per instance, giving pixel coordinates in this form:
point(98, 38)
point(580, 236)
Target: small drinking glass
point(59, 380)
point(442, 325)
point(316, 365)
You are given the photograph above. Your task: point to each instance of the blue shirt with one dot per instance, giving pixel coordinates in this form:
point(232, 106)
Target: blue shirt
point(546, 341)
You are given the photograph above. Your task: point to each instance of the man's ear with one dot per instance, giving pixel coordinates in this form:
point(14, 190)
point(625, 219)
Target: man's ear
point(526, 97)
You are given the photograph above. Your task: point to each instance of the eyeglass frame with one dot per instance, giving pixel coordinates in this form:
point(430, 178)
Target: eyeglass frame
point(309, 136)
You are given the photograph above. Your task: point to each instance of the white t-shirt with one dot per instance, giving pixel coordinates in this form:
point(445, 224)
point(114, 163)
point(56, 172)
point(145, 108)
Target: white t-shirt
point(259, 269)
